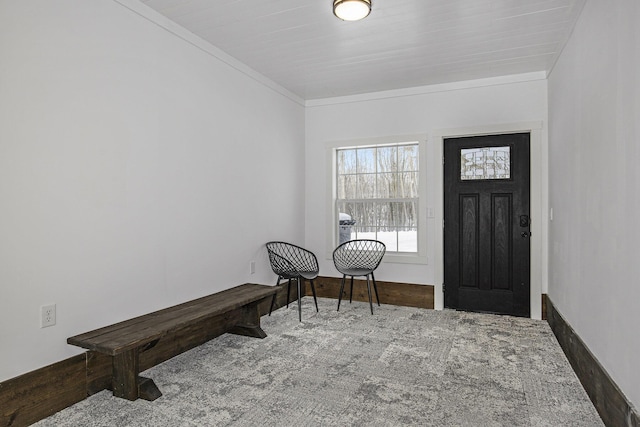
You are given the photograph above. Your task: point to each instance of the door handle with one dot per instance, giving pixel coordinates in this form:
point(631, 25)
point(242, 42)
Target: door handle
point(525, 234)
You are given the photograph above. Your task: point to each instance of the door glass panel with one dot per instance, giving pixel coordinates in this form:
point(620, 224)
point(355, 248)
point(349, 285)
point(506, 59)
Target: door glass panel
point(485, 163)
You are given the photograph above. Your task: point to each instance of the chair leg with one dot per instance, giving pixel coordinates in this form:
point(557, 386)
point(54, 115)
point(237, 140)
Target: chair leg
point(369, 291)
point(273, 300)
point(375, 288)
point(288, 292)
point(351, 293)
point(313, 289)
point(344, 276)
point(299, 300)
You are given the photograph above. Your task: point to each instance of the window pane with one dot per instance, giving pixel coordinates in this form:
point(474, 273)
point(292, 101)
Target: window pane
point(355, 211)
point(346, 230)
point(366, 219)
point(387, 185)
point(389, 238)
point(408, 240)
point(366, 186)
point(386, 219)
point(387, 159)
point(366, 233)
point(348, 208)
point(346, 161)
point(366, 160)
point(485, 163)
point(408, 186)
point(408, 158)
point(347, 186)
point(406, 214)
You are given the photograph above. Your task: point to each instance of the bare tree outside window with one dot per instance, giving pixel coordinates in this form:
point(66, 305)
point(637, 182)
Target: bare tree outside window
point(377, 186)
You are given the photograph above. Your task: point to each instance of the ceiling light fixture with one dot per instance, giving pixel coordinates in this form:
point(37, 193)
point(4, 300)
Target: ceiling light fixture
point(351, 10)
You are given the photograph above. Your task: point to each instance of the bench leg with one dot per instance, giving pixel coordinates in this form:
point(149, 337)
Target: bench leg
point(249, 322)
point(126, 382)
point(147, 389)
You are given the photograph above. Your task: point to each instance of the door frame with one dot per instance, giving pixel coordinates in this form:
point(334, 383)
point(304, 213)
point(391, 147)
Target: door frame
point(539, 204)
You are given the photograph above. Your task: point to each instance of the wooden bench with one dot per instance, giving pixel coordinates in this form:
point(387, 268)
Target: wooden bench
point(233, 310)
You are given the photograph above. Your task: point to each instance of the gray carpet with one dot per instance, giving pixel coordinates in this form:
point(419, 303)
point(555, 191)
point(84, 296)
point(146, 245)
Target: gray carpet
point(401, 366)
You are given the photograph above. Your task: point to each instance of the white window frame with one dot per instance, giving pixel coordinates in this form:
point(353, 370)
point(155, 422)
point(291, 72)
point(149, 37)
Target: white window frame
point(419, 257)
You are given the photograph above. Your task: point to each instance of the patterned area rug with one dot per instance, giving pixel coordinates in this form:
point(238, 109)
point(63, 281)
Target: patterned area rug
point(401, 366)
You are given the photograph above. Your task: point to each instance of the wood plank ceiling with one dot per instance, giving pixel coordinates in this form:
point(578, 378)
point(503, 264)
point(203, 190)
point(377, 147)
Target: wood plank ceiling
point(300, 45)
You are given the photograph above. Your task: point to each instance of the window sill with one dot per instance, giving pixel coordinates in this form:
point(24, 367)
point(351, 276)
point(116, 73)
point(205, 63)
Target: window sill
point(398, 258)
point(406, 258)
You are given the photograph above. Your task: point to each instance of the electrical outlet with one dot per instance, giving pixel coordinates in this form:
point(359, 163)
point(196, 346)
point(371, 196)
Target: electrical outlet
point(47, 315)
point(252, 267)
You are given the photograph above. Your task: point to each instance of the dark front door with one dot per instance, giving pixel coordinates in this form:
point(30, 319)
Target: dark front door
point(487, 224)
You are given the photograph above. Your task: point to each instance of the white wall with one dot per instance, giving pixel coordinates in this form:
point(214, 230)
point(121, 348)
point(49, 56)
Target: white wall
point(482, 106)
point(137, 171)
point(594, 151)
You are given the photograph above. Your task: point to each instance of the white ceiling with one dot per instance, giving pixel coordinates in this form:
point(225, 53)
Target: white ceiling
point(303, 47)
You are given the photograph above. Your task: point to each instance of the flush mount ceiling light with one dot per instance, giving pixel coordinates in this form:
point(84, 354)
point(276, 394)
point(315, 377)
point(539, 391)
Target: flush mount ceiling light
point(351, 10)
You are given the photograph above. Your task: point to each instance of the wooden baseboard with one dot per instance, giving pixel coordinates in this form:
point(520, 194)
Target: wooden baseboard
point(610, 402)
point(36, 395)
point(402, 294)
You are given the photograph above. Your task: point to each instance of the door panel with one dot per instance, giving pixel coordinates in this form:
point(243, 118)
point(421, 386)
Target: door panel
point(501, 241)
point(487, 248)
point(470, 238)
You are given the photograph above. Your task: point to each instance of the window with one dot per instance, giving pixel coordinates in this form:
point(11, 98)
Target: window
point(377, 195)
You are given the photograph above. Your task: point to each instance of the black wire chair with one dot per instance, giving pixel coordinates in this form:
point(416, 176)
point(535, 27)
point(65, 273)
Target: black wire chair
point(290, 262)
point(359, 258)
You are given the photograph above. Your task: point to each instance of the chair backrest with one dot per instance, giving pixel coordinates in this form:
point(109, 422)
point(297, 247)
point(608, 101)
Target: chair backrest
point(281, 266)
point(361, 254)
point(288, 259)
